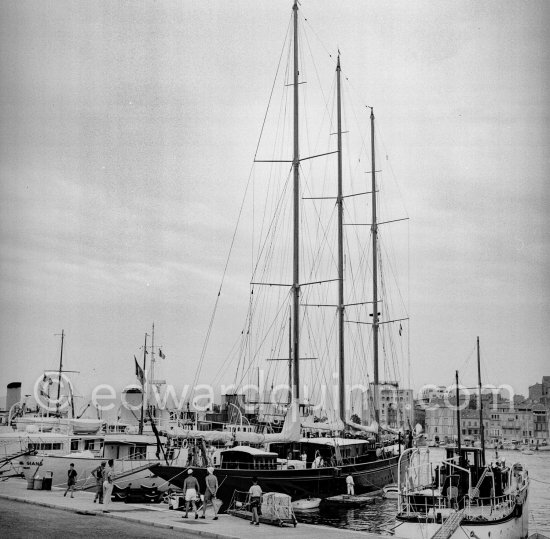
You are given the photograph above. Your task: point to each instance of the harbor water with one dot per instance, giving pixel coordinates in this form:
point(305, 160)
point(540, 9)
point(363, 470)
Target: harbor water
point(380, 517)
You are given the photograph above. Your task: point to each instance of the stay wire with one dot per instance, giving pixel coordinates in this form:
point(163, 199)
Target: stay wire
point(216, 303)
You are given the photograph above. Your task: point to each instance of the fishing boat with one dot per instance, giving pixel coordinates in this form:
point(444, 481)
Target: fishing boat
point(463, 495)
point(331, 448)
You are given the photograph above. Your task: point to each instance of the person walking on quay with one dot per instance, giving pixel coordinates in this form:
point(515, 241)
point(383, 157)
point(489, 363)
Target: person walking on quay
point(210, 492)
point(98, 474)
point(191, 490)
point(351, 485)
point(255, 492)
point(71, 479)
point(108, 480)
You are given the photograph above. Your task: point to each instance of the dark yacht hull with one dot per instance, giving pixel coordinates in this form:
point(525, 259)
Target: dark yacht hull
point(314, 482)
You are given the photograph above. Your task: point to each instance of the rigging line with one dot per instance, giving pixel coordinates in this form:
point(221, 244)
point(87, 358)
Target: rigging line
point(272, 225)
point(228, 360)
point(312, 56)
point(318, 253)
point(256, 352)
point(306, 23)
point(315, 257)
point(216, 303)
point(392, 172)
point(364, 145)
point(319, 374)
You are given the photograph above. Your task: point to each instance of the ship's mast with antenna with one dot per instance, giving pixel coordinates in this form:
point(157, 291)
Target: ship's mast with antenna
point(143, 386)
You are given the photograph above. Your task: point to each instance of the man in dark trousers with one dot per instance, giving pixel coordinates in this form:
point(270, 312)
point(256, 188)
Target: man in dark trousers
point(98, 474)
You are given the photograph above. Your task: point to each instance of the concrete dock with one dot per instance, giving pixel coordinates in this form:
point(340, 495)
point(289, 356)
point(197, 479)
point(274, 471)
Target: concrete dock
point(158, 515)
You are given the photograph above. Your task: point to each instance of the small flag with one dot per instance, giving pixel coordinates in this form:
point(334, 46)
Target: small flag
point(139, 372)
point(161, 355)
point(400, 329)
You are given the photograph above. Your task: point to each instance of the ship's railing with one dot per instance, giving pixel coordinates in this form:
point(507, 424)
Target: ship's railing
point(247, 465)
point(491, 507)
point(416, 474)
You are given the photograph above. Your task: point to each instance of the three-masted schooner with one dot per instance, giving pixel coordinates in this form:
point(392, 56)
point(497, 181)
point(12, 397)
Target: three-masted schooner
point(371, 463)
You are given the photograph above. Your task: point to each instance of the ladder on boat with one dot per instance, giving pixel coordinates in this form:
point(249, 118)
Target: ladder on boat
point(474, 492)
point(449, 526)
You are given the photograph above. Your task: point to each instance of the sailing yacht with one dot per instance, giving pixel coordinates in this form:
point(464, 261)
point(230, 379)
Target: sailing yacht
point(290, 462)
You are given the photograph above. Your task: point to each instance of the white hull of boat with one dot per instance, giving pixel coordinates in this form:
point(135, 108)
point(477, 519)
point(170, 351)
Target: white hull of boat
point(515, 528)
point(38, 465)
point(306, 504)
point(390, 492)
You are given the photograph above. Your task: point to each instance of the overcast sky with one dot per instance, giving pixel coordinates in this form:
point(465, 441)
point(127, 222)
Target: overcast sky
point(127, 131)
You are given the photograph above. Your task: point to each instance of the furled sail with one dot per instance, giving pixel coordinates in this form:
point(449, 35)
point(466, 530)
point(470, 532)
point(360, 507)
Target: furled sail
point(372, 428)
point(289, 433)
point(310, 423)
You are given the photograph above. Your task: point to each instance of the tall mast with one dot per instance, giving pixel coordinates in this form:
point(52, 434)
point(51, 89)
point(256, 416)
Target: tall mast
point(143, 387)
point(481, 427)
point(151, 362)
point(458, 412)
point(296, 254)
point(290, 355)
point(374, 230)
point(60, 370)
point(339, 202)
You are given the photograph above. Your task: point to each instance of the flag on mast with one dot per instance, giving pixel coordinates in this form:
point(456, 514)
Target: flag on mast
point(139, 372)
point(161, 355)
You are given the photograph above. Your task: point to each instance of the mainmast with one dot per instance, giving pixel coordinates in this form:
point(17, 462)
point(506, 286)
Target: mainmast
point(296, 253)
point(374, 231)
point(60, 370)
point(339, 202)
point(481, 427)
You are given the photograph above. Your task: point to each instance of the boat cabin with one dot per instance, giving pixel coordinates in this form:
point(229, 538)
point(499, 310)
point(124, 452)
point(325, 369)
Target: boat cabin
point(248, 458)
point(466, 469)
point(324, 451)
point(131, 447)
point(467, 457)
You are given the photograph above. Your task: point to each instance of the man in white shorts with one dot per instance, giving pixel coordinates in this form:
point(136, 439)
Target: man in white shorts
point(191, 491)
